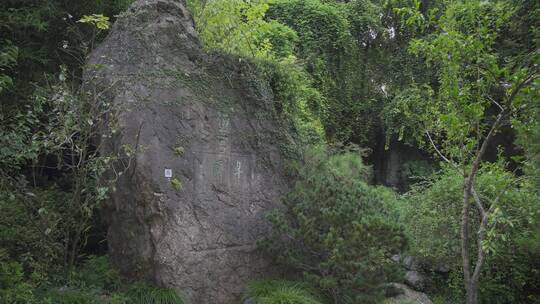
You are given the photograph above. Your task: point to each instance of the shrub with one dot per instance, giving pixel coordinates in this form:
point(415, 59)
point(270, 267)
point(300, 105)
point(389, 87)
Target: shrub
point(13, 288)
point(339, 231)
point(31, 229)
point(94, 282)
point(71, 296)
point(96, 275)
point(96, 272)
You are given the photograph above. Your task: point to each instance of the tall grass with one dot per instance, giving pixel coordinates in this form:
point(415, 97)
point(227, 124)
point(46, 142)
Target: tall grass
point(280, 292)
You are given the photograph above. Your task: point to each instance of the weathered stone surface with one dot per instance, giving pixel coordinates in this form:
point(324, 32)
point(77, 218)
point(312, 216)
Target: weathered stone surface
point(408, 296)
point(206, 122)
point(413, 272)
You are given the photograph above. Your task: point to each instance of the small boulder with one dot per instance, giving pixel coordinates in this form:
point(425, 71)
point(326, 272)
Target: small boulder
point(414, 279)
point(410, 263)
point(441, 268)
point(249, 301)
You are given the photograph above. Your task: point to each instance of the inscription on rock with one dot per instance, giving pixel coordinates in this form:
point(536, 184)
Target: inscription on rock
point(219, 166)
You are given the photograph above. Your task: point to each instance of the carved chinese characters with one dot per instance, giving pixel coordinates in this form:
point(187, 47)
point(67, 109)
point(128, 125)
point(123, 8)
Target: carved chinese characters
point(219, 164)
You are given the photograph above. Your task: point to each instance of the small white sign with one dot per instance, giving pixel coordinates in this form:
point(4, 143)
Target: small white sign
point(168, 173)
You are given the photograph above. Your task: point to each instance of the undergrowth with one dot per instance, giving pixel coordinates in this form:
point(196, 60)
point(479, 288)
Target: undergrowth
point(93, 282)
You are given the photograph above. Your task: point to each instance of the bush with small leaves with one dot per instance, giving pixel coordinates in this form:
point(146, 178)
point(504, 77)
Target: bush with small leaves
point(338, 230)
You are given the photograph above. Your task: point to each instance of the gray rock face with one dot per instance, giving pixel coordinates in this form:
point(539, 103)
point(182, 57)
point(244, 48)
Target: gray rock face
point(408, 295)
point(209, 162)
point(413, 276)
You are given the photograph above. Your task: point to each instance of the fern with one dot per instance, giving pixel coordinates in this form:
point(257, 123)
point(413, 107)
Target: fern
point(289, 295)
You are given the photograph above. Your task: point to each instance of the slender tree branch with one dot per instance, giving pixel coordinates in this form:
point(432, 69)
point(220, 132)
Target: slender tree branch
point(480, 250)
point(478, 202)
point(495, 102)
point(439, 151)
point(495, 126)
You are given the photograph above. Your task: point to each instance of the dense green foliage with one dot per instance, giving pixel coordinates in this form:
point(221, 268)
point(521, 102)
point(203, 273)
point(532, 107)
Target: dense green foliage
point(339, 231)
point(239, 27)
point(51, 174)
point(456, 81)
point(332, 44)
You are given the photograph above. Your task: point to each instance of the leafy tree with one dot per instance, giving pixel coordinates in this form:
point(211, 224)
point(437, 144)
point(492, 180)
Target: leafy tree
point(337, 228)
point(432, 215)
point(479, 92)
point(238, 27)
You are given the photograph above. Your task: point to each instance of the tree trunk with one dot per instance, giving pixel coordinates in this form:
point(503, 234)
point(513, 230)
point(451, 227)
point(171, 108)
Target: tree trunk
point(470, 280)
point(465, 243)
point(472, 293)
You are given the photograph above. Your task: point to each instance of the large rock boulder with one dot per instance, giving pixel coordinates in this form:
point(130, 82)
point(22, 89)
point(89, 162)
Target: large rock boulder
point(407, 295)
point(209, 155)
